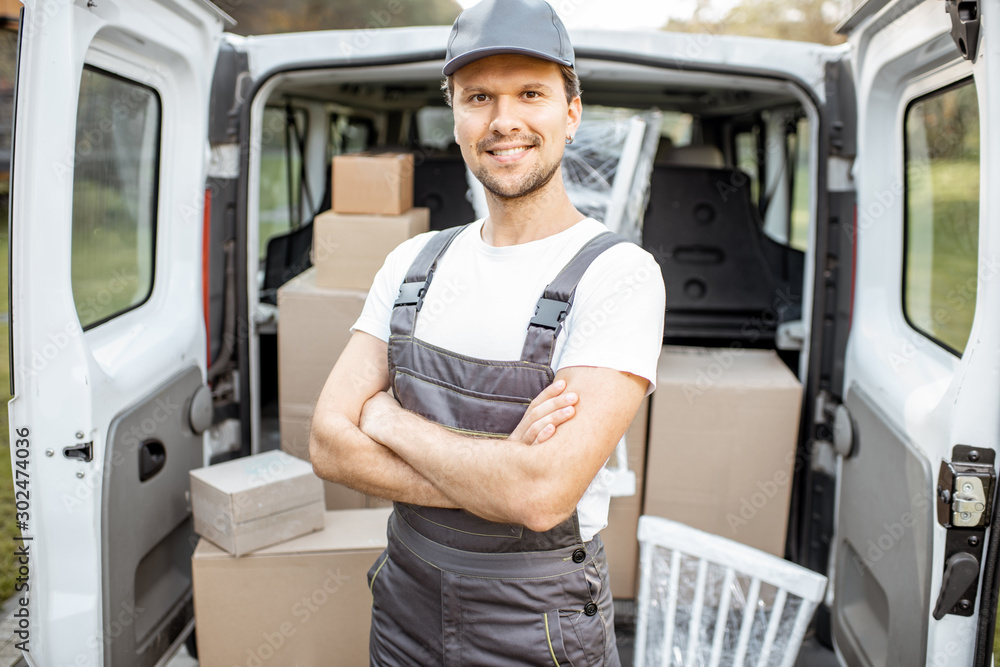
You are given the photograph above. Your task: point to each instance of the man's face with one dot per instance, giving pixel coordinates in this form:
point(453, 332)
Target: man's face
point(512, 120)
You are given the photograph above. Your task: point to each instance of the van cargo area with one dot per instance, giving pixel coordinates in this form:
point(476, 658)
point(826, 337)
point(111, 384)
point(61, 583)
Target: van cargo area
point(730, 204)
point(728, 216)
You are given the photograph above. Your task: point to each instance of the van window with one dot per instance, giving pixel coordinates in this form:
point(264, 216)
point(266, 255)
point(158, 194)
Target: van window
point(436, 127)
point(942, 214)
point(779, 142)
point(349, 135)
point(799, 146)
point(115, 177)
point(678, 127)
point(748, 160)
point(281, 203)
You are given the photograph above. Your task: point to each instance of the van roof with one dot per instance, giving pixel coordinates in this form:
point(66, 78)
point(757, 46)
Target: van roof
point(860, 11)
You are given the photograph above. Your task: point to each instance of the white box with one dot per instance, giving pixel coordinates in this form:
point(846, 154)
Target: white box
point(256, 501)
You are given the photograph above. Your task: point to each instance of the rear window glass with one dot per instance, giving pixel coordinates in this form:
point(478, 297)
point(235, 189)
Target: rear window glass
point(115, 176)
point(942, 214)
point(282, 204)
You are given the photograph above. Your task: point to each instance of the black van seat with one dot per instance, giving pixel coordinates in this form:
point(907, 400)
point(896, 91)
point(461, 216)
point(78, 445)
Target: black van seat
point(287, 256)
point(439, 184)
point(725, 280)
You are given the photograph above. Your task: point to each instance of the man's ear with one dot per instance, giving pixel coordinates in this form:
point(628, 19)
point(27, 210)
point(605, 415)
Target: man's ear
point(574, 115)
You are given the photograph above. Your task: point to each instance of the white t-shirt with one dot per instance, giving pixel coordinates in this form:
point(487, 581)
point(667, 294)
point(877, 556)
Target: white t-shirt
point(482, 298)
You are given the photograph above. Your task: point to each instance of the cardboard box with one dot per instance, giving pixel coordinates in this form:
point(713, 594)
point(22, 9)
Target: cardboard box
point(304, 602)
point(723, 430)
point(365, 183)
point(256, 501)
point(348, 250)
point(10, 9)
point(620, 542)
point(313, 329)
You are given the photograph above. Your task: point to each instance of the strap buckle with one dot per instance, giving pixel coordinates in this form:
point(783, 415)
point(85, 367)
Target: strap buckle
point(550, 313)
point(411, 294)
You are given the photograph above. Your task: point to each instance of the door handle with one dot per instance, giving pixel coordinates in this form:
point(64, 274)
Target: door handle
point(152, 458)
point(960, 572)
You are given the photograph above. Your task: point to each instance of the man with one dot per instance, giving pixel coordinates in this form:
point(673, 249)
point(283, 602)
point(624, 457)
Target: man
point(518, 348)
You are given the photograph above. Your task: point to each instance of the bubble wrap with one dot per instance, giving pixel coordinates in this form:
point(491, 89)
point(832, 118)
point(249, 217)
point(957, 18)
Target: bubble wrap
point(761, 621)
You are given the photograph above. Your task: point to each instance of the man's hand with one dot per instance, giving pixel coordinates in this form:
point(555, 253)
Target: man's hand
point(377, 415)
point(552, 407)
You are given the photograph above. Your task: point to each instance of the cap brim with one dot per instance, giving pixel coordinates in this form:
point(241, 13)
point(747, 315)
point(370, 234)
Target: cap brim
point(461, 61)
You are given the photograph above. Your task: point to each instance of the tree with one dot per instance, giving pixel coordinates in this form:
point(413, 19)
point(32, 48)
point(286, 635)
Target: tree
point(259, 17)
point(800, 20)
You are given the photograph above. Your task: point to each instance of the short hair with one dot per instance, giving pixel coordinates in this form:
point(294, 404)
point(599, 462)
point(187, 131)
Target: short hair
point(571, 83)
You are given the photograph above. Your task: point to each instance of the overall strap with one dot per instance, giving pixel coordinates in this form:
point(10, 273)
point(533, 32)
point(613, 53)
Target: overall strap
point(557, 299)
point(418, 279)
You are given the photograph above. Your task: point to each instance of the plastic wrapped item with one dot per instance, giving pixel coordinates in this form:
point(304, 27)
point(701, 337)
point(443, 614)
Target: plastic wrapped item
point(606, 169)
point(706, 601)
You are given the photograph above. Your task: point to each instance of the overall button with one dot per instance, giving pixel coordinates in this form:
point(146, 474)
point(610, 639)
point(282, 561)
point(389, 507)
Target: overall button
point(590, 609)
point(579, 556)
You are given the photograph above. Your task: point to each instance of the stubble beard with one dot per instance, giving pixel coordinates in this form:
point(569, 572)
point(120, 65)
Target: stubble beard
point(533, 181)
point(508, 189)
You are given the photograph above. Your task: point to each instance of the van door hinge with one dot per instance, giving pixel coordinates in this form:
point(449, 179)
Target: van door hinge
point(965, 26)
point(964, 507)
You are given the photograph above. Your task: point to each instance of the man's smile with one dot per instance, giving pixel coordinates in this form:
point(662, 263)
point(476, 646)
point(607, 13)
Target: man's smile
point(509, 151)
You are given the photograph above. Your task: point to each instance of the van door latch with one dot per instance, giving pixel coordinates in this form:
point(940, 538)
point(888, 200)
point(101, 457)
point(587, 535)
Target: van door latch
point(965, 488)
point(965, 507)
point(82, 452)
point(965, 26)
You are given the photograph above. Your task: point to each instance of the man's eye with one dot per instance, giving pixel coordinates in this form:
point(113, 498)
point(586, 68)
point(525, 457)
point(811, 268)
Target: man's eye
point(481, 97)
point(531, 94)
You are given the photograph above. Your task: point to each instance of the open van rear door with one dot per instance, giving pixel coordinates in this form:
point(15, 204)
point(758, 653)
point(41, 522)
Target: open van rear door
point(919, 427)
point(107, 320)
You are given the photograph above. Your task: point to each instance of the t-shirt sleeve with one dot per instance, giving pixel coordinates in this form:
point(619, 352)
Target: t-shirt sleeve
point(375, 315)
point(617, 316)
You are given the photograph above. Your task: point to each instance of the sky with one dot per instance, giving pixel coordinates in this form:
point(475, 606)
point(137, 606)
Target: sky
point(623, 14)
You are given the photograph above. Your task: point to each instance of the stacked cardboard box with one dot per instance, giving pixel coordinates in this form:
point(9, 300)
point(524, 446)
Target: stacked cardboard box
point(620, 543)
point(256, 501)
point(372, 214)
point(722, 435)
point(303, 602)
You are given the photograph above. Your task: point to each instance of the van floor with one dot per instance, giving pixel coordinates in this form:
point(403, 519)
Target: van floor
point(811, 654)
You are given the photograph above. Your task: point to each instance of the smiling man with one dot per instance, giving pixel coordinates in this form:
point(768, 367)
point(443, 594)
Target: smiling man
point(518, 349)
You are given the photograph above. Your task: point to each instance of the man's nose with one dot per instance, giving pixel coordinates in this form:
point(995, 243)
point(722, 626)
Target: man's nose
point(505, 119)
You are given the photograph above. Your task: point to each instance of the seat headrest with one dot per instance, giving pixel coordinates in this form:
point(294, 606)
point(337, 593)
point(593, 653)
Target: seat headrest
point(695, 155)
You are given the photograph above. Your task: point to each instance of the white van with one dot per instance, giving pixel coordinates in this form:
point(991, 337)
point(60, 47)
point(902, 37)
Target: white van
point(148, 138)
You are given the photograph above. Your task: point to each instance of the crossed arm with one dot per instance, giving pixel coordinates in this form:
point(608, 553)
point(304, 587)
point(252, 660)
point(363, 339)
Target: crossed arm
point(362, 438)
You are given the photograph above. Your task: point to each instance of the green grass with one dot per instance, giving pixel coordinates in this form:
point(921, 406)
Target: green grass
point(8, 529)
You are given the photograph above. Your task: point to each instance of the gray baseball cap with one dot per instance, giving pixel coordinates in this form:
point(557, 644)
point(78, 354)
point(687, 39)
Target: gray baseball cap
point(493, 27)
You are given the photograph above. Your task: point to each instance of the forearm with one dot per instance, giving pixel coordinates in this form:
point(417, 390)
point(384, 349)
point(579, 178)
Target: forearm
point(342, 453)
point(497, 479)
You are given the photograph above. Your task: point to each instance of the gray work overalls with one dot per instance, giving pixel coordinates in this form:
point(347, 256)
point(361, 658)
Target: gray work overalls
point(452, 588)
